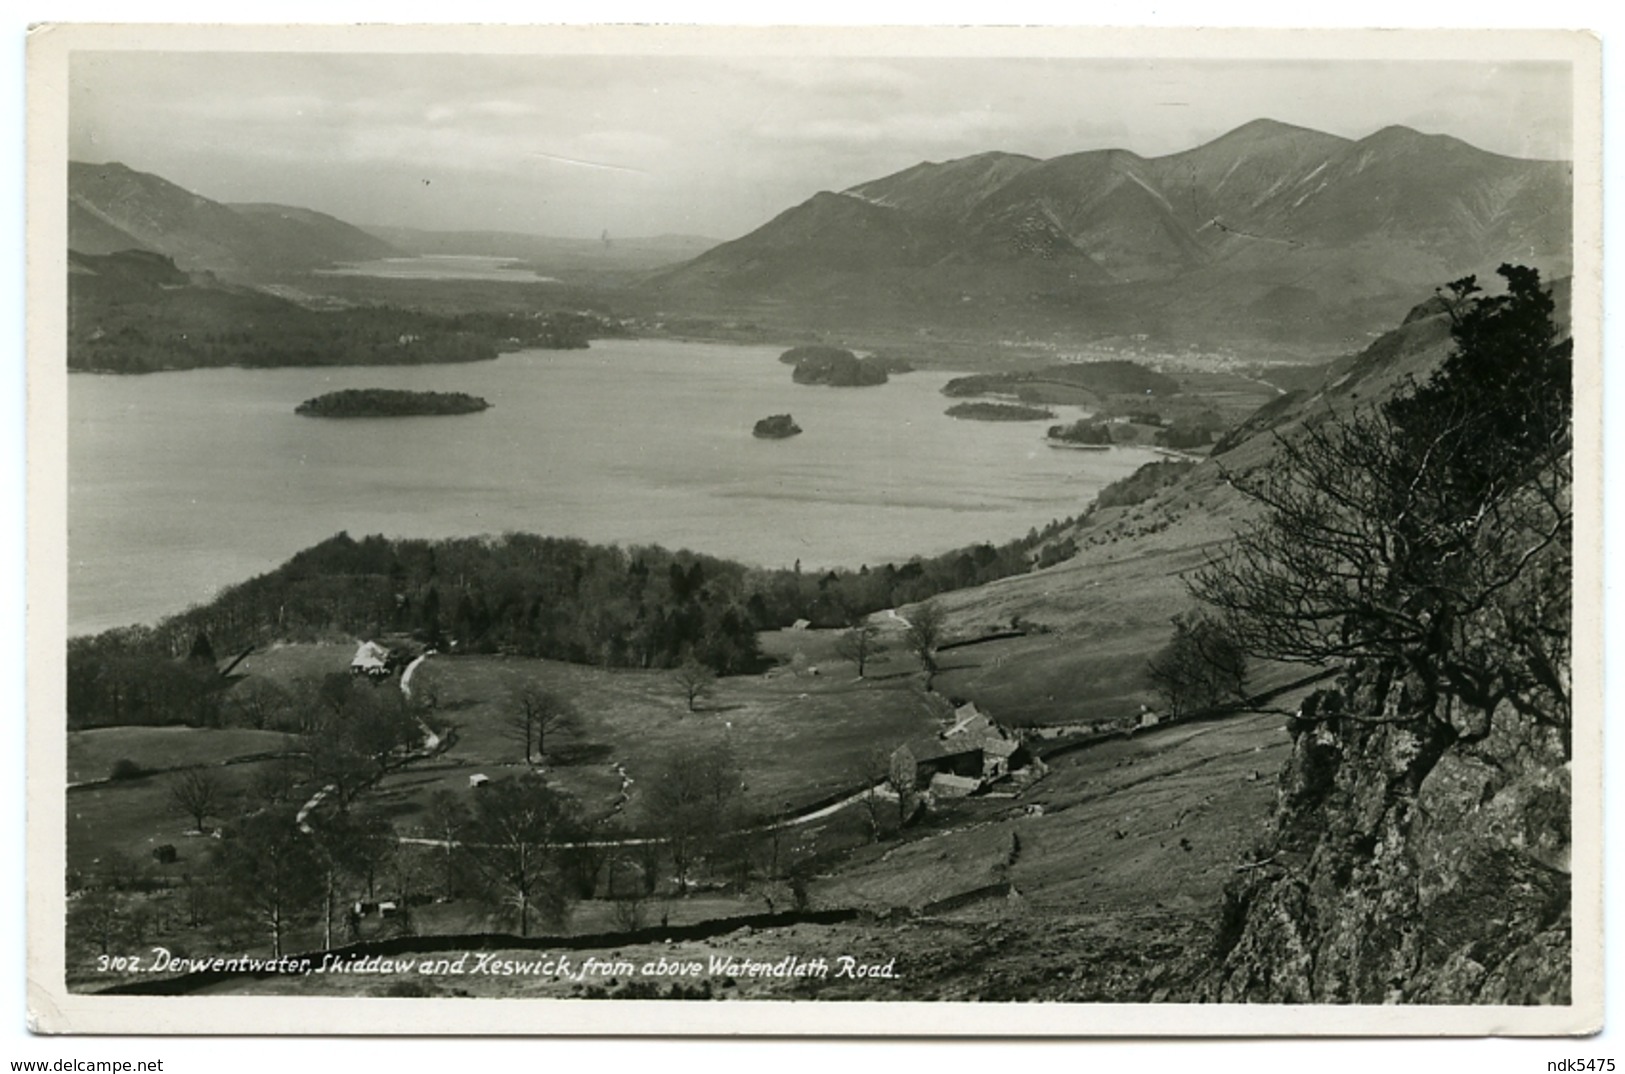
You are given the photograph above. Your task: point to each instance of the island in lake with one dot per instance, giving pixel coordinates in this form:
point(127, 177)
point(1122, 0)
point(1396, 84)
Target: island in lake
point(777, 427)
point(835, 366)
point(389, 403)
point(998, 412)
point(1085, 434)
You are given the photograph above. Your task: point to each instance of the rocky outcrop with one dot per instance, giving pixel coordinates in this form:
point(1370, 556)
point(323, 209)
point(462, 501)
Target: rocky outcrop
point(1419, 853)
point(776, 427)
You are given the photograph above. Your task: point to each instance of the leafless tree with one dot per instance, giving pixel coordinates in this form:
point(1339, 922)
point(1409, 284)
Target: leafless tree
point(512, 848)
point(196, 793)
point(691, 800)
point(1201, 666)
point(695, 681)
point(903, 775)
point(536, 712)
point(1431, 533)
point(860, 644)
point(874, 771)
point(926, 624)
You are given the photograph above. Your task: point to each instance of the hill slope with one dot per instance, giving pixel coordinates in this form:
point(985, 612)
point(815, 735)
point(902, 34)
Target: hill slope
point(112, 207)
point(1270, 231)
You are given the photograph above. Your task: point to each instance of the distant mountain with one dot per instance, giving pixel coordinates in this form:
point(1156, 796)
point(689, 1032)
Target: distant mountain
point(112, 207)
point(1270, 231)
point(304, 236)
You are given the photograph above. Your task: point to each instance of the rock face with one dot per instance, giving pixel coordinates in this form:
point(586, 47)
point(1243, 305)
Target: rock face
point(777, 427)
point(1419, 853)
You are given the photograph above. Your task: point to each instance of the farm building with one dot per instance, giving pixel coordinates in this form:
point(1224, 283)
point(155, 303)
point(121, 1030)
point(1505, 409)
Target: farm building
point(371, 660)
point(973, 748)
point(1002, 752)
point(945, 785)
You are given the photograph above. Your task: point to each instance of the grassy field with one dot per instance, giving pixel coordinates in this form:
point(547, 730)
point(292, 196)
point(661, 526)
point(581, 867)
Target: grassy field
point(92, 754)
point(799, 735)
point(132, 817)
point(1134, 843)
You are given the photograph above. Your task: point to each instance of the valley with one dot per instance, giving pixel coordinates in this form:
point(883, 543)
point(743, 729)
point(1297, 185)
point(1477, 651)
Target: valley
point(1002, 709)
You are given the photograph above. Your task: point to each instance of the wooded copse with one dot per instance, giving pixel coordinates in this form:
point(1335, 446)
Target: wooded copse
point(559, 598)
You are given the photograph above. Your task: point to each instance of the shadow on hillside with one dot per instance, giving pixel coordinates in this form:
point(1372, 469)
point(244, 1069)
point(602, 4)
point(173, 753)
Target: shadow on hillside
point(580, 753)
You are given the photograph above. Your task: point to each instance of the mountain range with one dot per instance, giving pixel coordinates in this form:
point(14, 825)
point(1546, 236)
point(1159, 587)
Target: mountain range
point(1270, 233)
point(113, 208)
point(1289, 229)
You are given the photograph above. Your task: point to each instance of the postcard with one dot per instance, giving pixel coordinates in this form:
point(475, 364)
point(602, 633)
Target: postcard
point(994, 532)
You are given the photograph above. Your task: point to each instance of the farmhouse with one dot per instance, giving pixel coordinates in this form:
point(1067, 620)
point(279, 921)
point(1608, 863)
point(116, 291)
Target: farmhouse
point(1001, 751)
point(974, 751)
point(371, 660)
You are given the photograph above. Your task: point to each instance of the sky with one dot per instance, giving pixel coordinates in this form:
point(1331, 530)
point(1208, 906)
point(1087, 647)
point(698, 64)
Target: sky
point(575, 145)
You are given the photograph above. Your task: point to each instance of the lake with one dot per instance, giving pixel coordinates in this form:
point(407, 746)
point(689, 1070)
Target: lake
point(441, 267)
point(181, 483)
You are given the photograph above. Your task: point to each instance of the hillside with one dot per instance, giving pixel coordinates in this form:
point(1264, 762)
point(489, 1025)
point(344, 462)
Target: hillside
point(1268, 233)
point(112, 207)
point(139, 312)
point(1368, 826)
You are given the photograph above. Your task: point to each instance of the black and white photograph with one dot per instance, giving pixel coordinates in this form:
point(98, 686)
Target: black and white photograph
point(1049, 532)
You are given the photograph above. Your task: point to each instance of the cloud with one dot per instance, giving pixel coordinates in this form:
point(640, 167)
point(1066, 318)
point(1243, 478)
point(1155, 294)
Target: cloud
point(719, 145)
point(919, 128)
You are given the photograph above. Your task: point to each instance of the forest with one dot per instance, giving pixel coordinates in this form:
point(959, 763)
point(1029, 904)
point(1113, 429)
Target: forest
point(521, 594)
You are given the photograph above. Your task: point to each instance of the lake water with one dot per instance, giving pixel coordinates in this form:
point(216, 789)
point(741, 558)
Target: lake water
point(441, 267)
point(181, 483)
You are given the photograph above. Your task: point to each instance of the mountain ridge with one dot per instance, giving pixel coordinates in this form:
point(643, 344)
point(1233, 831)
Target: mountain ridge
point(1269, 229)
point(114, 207)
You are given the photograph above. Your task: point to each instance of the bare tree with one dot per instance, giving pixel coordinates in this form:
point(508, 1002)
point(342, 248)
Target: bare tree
point(691, 800)
point(258, 703)
point(360, 734)
point(274, 782)
point(695, 681)
point(1431, 533)
point(924, 634)
point(874, 771)
point(860, 644)
point(272, 873)
point(512, 847)
point(196, 793)
point(903, 775)
point(535, 713)
point(1201, 666)
point(446, 820)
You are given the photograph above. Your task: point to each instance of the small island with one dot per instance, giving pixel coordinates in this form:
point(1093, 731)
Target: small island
point(777, 427)
point(998, 412)
point(389, 403)
point(834, 366)
point(1084, 434)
